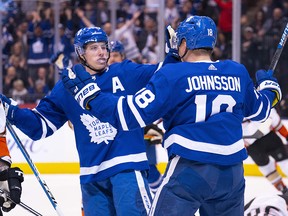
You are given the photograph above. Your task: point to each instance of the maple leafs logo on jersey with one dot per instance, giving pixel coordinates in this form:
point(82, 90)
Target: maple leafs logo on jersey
point(98, 131)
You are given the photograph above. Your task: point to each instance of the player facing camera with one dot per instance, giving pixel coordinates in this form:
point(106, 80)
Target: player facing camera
point(92, 48)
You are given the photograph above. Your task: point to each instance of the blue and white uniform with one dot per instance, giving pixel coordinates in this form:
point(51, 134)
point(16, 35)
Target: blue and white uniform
point(103, 151)
point(202, 105)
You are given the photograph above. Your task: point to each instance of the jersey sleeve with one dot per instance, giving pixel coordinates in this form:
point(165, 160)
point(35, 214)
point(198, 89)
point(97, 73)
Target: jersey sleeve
point(42, 121)
point(134, 111)
point(257, 104)
point(4, 151)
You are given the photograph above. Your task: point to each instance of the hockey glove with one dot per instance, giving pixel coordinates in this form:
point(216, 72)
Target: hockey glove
point(60, 60)
point(10, 182)
point(266, 80)
point(153, 134)
point(171, 42)
point(10, 106)
point(80, 84)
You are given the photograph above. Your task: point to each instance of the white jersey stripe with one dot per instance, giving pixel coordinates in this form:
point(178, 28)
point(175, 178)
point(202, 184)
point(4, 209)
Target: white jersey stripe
point(257, 113)
point(113, 162)
point(135, 111)
point(121, 114)
point(203, 146)
point(49, 123)
point(143, 191)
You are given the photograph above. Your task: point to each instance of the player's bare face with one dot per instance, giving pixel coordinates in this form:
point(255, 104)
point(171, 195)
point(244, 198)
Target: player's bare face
point(115, 57)
point(96, 55)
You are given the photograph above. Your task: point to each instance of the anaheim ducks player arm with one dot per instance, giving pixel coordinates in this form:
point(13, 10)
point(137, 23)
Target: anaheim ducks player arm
point(10, 178)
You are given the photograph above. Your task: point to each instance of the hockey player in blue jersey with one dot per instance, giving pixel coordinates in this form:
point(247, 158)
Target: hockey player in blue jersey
point(113, 164)
point(202, 104)
point(152, 133)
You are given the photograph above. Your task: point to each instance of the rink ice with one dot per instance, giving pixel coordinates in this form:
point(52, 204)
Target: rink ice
point(66, 190)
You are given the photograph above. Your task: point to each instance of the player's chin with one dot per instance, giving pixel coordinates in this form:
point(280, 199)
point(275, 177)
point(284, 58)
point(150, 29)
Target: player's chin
point(100, 65)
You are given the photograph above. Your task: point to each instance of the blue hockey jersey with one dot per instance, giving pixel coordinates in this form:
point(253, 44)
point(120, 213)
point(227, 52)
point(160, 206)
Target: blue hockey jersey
point(202, 105)
point(103, 151)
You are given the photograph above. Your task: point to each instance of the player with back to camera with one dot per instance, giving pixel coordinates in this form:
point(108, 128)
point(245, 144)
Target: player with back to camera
point(202, 104)
point(10, 177)
point(113, 163)
point(152, 133)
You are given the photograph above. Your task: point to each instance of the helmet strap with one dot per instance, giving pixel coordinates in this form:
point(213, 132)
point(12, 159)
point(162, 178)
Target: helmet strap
point(84, 62)
point(181, 57)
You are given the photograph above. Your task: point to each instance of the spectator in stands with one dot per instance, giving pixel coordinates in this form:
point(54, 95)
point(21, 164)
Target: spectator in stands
point(19, 92)
point(89, 12)
point(225, 18)
point(21, 36)
point(146, 37)
point(65, 44)
point(102, 13)
point(274, 28)
point(39, 46)
point(258, 24)
point(249, 50)
point(7, 41)
point(171, 12)
point(39, 90)
point(18, 60)
point(223, 48)
point(124, 33)
point(151, 50)
point(185, 10)
point(9, 78)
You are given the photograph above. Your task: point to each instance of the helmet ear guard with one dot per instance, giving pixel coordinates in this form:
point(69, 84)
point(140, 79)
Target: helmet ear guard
point(198, 31)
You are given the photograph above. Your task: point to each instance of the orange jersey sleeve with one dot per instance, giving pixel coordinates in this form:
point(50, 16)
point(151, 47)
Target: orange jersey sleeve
point(283, 131)
point(4, 151)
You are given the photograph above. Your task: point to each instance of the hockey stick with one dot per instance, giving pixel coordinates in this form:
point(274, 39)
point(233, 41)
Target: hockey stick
point(34, 169)
point(279, 49)
point(28, 208)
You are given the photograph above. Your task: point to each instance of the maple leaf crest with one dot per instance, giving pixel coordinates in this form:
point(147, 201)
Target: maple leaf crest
point(98, 131)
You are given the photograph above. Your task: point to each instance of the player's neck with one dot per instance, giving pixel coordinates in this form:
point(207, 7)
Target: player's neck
point(196, 56)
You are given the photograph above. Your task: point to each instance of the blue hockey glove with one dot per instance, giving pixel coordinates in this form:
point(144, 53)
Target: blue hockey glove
point(61, 61)
point(10, 106)
point(266, 80)
point(171, 42)
point(10, 182)
point(80, 84)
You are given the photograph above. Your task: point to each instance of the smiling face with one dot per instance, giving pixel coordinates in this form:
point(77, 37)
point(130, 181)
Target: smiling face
point(96, 55)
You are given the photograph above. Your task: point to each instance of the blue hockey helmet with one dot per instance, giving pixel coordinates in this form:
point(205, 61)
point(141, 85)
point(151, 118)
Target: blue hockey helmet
point(198, 31)
point(116, 46)
point(86, 35)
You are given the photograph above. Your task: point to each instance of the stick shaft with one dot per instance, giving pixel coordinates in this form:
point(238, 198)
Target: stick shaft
point(279, 49)
point(34, 169)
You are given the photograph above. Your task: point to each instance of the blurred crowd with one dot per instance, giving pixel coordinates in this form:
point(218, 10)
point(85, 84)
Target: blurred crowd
point(28, 38)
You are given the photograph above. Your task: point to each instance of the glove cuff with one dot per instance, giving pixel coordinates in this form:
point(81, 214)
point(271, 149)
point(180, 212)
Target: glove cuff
point(86, 94)
point(10, 112)
point(274, 87)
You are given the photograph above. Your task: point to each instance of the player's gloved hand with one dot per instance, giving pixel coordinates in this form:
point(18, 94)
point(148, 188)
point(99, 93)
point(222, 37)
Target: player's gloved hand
point(10, 182)
point(266, 80)
point(60, 60)
point(171, 42)
point(80, 84)
point(10, 107)
point(153, 134)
